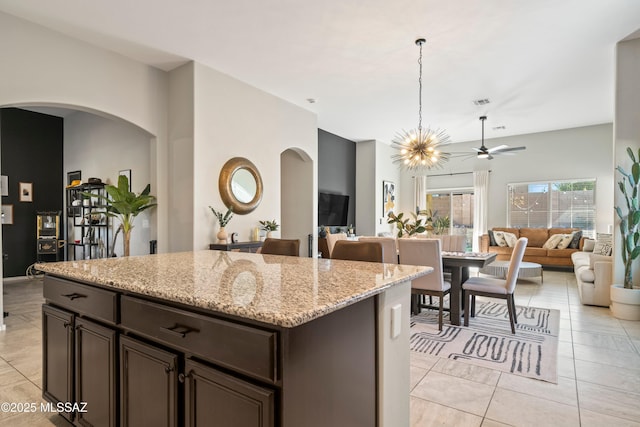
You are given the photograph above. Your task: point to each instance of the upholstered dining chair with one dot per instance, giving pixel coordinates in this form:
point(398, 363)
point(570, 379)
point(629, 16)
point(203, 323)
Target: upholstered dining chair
point(332, 238)
point(389, 247)
point(358, 251)
point(290, 247)
point(425, 252)
point(496, 288)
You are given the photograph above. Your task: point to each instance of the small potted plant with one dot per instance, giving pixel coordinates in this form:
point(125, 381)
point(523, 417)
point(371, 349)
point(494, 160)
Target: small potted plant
point(223, 219)
point(625, 299)
point(269, 226)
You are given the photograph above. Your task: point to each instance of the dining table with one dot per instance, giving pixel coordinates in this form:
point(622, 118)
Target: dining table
point(458, 263)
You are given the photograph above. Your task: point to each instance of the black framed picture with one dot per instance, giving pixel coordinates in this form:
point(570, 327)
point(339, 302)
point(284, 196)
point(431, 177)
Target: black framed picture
point(74, 176)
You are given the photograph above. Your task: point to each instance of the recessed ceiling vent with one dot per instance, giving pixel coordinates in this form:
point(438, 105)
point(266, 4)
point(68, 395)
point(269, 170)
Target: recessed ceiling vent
point(483, 101)
point(498, 128)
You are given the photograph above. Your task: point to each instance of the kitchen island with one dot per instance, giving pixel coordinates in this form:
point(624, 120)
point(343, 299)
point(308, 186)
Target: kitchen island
point(228, 339)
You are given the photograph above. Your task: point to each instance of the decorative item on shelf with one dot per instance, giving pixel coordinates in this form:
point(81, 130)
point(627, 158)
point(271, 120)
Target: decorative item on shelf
point(350, 231)
point(405, 227)
point(269, 226)
point(322, 232)
point(125, 206)
point(625, 299)
point(420, 148)
point(223, 220)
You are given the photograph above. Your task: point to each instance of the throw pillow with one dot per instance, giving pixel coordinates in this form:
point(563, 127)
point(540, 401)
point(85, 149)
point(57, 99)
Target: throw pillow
point(500, 239)
point(575, 242)
point(589, 244)
point(604, 244)
point(492, 238)
point(552, 241)
point(510, 238)
point(602, 248)
point(565, 241)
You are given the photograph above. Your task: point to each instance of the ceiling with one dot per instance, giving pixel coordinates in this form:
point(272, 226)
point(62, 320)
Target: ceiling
point(543, 64)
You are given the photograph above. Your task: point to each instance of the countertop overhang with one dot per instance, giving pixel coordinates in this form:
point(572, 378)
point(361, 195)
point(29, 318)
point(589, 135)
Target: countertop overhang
point(277, 290)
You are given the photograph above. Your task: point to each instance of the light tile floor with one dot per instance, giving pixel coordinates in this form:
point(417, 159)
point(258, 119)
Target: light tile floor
point(598, 366)
point(598, 373)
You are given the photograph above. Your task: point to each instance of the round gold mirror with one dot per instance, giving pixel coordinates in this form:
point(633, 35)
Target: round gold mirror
point(240, 185)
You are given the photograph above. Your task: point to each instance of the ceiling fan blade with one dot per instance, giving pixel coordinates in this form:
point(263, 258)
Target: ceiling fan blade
point(498, 148)
point(478, 150)
point(512, 149)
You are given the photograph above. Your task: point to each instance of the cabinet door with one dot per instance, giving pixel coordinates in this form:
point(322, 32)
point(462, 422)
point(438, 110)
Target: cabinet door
point(57, 356)
point(213, 398)
point(148, 385)
point(95, 373)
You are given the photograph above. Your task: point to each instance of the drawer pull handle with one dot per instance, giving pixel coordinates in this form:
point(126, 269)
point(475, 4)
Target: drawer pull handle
point(178, 330)
point(73, 296)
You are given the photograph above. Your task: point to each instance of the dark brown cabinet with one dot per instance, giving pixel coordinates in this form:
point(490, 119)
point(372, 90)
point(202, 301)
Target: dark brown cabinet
point(57, 356)
point(215, 399)
point(79, 365)
point(148, 385)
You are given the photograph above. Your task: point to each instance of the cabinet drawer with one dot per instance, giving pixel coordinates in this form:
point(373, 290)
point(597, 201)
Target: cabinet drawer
point(242, 348)
point(83, 299)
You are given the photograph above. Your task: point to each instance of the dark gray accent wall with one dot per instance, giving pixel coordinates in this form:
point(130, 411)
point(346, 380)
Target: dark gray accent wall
point(32, 151)
point(337, 169)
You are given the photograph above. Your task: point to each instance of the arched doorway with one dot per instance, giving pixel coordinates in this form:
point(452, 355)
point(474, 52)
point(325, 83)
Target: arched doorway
point(298, 209)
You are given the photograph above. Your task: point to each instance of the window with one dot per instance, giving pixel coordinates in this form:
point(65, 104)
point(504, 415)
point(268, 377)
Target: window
point(457, 206)
point(553, 204)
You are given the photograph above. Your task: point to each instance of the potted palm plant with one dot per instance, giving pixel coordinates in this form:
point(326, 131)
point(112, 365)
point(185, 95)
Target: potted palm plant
point(625, 298)
point(125, 206)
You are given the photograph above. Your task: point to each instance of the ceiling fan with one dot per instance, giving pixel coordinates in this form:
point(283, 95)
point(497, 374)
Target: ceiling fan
point(488, 153)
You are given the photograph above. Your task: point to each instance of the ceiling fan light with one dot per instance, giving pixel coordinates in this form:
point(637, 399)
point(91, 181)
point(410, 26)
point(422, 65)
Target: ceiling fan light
point(483, 155)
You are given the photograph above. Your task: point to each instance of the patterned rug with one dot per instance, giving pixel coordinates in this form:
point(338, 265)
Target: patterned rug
point(532, 352)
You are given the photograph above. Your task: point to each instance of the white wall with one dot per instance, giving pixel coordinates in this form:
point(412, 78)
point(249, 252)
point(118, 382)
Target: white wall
point(564, 154)
point(627, 130)
point(101, 147)
point(369, 202)
point(181, 160)
point(233, 119)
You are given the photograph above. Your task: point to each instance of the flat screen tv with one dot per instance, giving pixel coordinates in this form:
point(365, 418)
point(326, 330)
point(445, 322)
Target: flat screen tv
point(332, 209)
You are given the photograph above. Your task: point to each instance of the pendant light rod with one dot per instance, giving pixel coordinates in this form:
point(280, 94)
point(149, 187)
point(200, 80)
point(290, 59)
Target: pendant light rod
point(419, 43)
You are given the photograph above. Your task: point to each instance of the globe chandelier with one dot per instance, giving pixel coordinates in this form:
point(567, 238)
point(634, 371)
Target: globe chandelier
point(420, 148)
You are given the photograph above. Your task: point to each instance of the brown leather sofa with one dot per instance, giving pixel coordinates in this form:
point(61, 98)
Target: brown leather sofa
point(534, 252)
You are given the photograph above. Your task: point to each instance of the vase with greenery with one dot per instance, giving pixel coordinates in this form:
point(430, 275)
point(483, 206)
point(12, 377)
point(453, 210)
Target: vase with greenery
point(625, 300)
point(269, 226)
point(405, 226)
point(223, 220)
point(125, 205)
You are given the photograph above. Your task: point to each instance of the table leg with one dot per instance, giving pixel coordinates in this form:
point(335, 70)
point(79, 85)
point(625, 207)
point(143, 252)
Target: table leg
point(459, 275)
point(455, 297)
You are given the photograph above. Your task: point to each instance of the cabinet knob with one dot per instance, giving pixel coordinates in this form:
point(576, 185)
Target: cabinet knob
point(181, 378)
point(168, 369)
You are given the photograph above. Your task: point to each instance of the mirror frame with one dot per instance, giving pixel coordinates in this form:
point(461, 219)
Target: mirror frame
point(224, 185)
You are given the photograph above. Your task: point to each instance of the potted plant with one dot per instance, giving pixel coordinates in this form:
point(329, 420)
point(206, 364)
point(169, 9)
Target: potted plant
point(625, 299)
point(125, 205)
point(269, 226)
point(223, 220)
point(405, 226)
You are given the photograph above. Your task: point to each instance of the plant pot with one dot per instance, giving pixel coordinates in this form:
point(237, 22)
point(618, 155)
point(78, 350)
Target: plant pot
point(222, 235)
point(625, 303)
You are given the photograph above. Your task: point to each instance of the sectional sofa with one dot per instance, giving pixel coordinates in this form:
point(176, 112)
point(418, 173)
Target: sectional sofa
point(535, 251)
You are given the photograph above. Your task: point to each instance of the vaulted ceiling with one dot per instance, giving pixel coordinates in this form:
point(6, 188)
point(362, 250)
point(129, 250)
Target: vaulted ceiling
point(542, 64)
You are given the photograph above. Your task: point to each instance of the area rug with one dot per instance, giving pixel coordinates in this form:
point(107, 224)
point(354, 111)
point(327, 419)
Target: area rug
point(532, 352)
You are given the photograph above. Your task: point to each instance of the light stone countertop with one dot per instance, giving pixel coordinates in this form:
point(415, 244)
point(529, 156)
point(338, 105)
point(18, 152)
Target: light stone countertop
point(277, 290)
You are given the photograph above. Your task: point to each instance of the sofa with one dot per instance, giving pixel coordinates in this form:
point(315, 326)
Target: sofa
point(594, 275)
point(535, 251)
